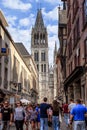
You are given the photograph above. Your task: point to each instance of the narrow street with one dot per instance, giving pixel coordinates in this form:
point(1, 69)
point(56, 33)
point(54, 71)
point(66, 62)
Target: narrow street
point(63, 127)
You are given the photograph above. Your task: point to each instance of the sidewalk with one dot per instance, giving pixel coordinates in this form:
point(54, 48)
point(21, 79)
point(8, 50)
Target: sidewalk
point(63, 126)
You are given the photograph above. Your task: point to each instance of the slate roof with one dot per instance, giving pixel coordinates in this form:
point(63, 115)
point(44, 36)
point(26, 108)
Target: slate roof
point(22, 49)
point(39, 19)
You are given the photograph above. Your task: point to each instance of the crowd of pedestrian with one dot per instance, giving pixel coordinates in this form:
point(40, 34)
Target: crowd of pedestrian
point(34, 116)
point(44, 115)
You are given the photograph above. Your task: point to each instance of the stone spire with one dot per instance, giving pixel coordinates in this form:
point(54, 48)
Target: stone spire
point(39, 19)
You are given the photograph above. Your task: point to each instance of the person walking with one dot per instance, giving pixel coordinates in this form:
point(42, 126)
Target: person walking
point(31, 116)
point(55, 115)
point(19, 116)
point(44, 115)
point(1, 124)
point(66, 114)
point(38, 116)
point(77, 114)
point(71, 105)
point(6, 116)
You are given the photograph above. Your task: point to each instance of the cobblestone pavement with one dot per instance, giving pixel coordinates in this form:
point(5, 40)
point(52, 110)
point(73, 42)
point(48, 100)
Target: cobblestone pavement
point(62, 127)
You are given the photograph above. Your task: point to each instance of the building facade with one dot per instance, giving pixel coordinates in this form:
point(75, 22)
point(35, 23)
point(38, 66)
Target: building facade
point(17, 79)
point(61, 55)
point(39, 49)
point(76, 61)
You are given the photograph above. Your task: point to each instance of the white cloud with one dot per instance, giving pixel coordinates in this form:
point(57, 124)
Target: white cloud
point(51, 15)
point(21, 35)
point(52, 29)
point(24, 22)
point(16, 4)
point(37, 0)
point(11, 20)
point(29, 21)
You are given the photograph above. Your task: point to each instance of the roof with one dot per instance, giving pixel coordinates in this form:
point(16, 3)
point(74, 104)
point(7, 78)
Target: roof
point(39, 19)
point(22, 49)
point(2, 18)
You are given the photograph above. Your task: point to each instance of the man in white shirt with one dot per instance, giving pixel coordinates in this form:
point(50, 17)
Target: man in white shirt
point(71, 105)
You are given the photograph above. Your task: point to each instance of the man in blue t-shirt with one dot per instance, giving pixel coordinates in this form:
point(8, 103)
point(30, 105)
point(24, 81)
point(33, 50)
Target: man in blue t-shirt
point(78, 115)
point(44, 115)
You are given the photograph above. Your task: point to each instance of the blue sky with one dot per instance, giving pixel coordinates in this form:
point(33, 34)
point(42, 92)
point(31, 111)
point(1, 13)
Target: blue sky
point(21, 15)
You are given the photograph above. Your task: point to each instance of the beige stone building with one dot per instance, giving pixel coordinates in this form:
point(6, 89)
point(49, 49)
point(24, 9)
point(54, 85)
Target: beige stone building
point(18, 73)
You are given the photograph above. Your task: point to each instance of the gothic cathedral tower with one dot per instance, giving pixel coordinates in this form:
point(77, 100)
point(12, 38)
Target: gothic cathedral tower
point(39, 50)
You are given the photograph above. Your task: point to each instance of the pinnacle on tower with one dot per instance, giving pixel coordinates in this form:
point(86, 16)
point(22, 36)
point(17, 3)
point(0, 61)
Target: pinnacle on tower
point(39, 19)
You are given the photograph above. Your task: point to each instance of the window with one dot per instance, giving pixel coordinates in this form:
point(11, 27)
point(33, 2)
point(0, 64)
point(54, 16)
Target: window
point(28, 85)
point(36, 56)
point(64, 31)
point(5, 78)
point(44, 41)
point(44, 67)
point(21, 76)
point(25, 80)
point(85, 12)
point(37, 67)
point(76, 35)
point(43, 56)
point(36, 39)
point(16, 69)
point(34, 83)
point(83, 92)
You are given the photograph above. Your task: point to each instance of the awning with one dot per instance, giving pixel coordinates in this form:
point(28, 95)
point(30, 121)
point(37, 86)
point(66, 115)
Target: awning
point(77, 72)
point(25, 101)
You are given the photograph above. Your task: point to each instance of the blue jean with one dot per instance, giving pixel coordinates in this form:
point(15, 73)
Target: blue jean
point(55, 121)
point(43, 123)
point(79, 125)
point(66, 118)
point(1, 125)
point(5, 125)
